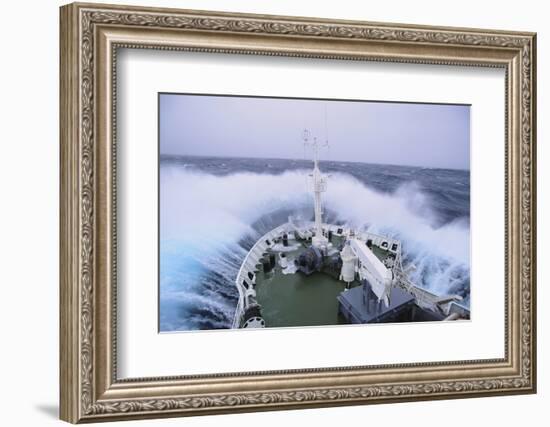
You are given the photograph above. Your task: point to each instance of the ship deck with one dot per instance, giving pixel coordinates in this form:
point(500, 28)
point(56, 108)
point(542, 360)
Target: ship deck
point(299, 300)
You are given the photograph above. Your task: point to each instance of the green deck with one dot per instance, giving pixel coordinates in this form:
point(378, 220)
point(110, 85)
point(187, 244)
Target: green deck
point(297, 299)
point(300, 300)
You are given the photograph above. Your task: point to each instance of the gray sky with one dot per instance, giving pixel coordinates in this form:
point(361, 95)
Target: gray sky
point(429, 135)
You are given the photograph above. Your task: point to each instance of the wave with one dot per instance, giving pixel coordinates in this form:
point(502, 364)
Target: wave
point(208, 223)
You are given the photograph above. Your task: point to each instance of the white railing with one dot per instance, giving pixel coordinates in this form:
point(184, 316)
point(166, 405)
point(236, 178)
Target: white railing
point(249, 264)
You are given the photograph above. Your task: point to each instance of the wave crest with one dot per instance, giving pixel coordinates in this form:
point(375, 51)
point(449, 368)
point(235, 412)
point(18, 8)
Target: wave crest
point(209, 222)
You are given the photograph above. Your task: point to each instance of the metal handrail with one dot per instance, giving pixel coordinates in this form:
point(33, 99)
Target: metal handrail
point(243, 270)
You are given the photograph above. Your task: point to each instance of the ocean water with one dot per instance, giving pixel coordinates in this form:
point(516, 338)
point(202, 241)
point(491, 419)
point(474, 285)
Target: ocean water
point(212, 210)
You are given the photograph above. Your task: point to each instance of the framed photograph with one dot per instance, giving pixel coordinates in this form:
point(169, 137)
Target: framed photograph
point(267, 212)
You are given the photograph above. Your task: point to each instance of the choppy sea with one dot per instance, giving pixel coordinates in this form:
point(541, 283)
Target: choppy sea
point(212, 210)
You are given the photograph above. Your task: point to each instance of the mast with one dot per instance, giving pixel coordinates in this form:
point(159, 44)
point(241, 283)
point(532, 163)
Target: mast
point(319, 185)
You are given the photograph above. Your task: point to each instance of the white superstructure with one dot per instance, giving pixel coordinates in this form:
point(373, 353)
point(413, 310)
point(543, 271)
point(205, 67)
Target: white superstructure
point(373, 270)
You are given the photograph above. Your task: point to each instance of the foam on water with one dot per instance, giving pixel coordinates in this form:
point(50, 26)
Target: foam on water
point(208, 223)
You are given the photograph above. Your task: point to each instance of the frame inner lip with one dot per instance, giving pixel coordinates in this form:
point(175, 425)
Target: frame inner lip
point(339, 370)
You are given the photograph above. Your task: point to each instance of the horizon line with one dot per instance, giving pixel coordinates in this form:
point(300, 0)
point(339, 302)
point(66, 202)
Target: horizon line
point(307, 160)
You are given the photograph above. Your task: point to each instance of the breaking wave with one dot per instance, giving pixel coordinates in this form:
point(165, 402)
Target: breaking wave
point(209, 222)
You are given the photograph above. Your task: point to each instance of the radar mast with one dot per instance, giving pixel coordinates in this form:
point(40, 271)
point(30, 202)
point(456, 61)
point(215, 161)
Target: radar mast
point(319, 185)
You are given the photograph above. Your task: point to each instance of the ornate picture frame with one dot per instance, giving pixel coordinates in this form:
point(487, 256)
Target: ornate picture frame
point(91, 34)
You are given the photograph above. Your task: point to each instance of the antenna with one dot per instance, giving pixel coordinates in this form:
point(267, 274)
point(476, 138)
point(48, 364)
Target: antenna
point(326, 144)
point(305, 136)
point(314, 145)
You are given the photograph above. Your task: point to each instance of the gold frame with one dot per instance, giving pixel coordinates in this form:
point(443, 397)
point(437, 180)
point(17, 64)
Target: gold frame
point(90, 36)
